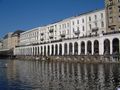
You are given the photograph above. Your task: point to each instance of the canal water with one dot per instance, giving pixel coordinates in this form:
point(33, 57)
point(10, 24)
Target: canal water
point(41, 75)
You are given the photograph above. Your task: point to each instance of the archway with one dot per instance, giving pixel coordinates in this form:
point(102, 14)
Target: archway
point(56, 49)
point(96, 47)
point(89, 47)
point(106, 46)
point(44, 50)
point(70, 48)
point(60, 49)
point(115, 44)
point(76, 48)
point(41, 50)
point(65, 48)
point(83, 48)
point(52, 50)
point(48, 50)
point(38, 51)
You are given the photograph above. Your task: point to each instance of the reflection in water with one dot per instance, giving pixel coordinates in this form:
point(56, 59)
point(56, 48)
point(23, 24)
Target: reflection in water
point(41, 75)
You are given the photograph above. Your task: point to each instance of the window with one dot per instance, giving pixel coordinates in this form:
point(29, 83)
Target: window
point(90, 26)
point(119, 18)
point(101, 15)
point(119, 8)
point(77, 21)
point(82, 20)
point(89, 18)
point(67, 24)
point(77, 28)
point(110, 20)
point(95, 17)
point(73, 22)
point(60, 26)
point(102, 24)
point(83, 28)
point(95, 24)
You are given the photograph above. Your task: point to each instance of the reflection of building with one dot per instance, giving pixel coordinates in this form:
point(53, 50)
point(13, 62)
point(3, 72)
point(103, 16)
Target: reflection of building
point(113, 15)
point(84, 34)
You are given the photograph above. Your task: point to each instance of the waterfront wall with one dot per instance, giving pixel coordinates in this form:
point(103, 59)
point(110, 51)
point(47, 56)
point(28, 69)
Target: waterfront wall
point(75, 58)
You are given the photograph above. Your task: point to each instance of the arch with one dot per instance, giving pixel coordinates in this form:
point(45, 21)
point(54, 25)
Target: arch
point(52, 48)
point(48, 50)
point(106, 46)
point(96, 47)
point(76, 48)
point(115, 44)
point(38, 51)
point(44, 50)
point(65, 49)
point(60, 49)
point(33, 51)
point(83, 48)
point(41, 50)
point(89, 47)
point(70, 48)
point(56, 49)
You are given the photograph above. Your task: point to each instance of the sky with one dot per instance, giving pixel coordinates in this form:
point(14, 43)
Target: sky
point(28, 14)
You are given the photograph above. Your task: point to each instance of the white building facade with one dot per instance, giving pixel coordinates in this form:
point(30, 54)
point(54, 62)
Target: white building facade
point(80, 35)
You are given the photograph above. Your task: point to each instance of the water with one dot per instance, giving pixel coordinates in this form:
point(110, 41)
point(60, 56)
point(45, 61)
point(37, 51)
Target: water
point(41, 75)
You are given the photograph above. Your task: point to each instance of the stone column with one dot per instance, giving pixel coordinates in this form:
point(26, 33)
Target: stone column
point(46, 50)
point(111, 47)
point(79, 49)
point(50, 49)
point(54, 50)
point(101, 47)
point(58, 49)
point(63, 49)
point(67, 48)
point(92, 47)
point(73, 52)
point(85, 48)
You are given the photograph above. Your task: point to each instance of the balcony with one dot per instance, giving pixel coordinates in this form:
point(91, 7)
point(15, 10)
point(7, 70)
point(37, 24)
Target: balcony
point(62, 34)
point(95, 29)
point(77, 32)
point(51, 30)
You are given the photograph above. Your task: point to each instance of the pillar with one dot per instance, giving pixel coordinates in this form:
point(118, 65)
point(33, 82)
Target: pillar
point(63, 49)
point(111, 47)
point(92, 47)
point(79, 48)
point(85, 48)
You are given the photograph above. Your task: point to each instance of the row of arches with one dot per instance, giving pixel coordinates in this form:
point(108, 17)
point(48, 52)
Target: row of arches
point(76, 48)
